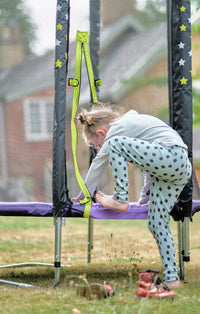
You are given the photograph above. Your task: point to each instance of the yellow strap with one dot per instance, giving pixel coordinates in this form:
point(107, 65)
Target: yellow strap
point(82, 42)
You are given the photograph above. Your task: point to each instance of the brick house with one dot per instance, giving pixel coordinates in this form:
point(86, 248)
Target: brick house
point(27, 109)
point(131, 71)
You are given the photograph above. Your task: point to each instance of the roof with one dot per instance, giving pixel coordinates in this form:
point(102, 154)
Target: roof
point(114, 31)
point(131, 57)
point(132, 51)
point(28, 77)
point(129, 47)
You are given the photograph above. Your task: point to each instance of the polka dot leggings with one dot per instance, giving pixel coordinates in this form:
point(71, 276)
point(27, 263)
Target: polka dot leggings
point(170, 170)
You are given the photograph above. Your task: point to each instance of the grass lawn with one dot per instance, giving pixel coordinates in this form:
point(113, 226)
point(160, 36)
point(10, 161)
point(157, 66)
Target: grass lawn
point(121, 249)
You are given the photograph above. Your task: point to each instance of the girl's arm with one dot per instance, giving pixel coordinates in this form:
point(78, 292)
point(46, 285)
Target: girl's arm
point(95, 172)
point(97, 169)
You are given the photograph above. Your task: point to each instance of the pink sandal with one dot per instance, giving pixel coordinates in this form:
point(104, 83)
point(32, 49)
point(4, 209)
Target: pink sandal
point(151, 286)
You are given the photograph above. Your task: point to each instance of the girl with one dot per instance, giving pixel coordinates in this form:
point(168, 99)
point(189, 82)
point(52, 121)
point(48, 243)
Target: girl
point(157, 150)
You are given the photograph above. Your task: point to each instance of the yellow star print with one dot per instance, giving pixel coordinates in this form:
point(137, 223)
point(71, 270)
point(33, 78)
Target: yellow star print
point(66, 37)
point(183, 27)
point(59, 27)
point(58, 63)
point(66, 55)
point(182, 8)
point(183, 81)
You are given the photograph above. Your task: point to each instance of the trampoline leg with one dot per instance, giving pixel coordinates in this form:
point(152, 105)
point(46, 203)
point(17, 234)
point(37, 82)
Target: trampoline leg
point(57, 258)
point(180, 249)
point(183, 245)
point(90, 238)
point(186, 248)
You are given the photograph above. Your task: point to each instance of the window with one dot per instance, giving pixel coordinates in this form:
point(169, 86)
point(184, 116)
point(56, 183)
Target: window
point(38, 114)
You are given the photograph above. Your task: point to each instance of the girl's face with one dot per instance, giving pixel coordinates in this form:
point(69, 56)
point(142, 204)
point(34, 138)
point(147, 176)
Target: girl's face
point(99, 138)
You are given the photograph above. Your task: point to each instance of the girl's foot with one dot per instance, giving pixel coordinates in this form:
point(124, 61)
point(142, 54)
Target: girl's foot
point(109, 202)
point(173, 284)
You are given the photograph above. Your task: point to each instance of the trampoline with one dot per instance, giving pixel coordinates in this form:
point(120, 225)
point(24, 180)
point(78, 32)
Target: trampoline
point(62, 206)
point(36, 209)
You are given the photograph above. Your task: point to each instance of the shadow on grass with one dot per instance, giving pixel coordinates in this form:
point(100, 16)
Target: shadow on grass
point(44, 276)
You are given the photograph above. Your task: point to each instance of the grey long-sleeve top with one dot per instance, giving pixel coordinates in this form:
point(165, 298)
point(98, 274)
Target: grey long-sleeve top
point(133, 125)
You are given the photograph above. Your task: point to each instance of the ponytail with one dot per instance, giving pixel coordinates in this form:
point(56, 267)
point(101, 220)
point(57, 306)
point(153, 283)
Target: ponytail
point(99, 116)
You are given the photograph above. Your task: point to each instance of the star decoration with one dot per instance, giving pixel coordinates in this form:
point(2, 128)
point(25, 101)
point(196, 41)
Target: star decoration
point(181, 62)
point(181, 45)
point(59, 7)
point(59, 27)
point(190, 53)
point(65, 55)
point(66, 37)
point(183, 81)
point(183, 27)
point(58, 42)
point(182, 8)
point(58, 63)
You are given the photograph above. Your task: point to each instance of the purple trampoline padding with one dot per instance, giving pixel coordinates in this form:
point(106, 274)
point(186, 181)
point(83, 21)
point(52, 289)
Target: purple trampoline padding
point(97, 211)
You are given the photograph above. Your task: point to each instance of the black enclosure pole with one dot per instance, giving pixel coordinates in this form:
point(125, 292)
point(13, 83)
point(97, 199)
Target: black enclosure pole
point(94, 44)
point(59, 185)
point(59, 177)
point(95, 21)
point(180, 82)
point(180, 103)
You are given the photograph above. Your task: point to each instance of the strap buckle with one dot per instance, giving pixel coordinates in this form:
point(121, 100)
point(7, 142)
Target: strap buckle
point(85, 200)
point(97, 82)
point(73, 82)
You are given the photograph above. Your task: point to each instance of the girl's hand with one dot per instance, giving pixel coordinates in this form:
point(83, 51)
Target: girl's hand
point(77, 198)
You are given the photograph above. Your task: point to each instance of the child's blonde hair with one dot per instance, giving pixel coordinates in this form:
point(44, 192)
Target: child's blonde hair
point(99, 116)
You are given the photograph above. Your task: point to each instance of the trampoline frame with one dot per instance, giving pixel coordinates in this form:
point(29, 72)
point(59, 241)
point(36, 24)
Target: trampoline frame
point(60, 192)
point(135, 212)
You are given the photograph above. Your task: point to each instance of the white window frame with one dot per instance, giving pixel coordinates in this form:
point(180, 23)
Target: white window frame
point(43, 135)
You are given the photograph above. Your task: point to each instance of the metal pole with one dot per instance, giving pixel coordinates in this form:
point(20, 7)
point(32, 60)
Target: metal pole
point(90, 238)
point(180, 249)
point(57, 258)
point(186, 246)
